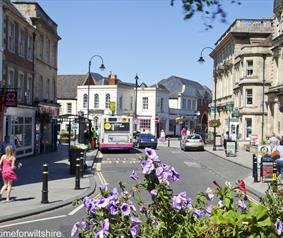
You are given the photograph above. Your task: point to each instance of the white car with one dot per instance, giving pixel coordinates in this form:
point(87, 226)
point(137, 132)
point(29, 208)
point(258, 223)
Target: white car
point(192, 142)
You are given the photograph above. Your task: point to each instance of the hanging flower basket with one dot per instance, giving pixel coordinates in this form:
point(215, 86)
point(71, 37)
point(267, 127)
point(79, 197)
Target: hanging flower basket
point(214, 123)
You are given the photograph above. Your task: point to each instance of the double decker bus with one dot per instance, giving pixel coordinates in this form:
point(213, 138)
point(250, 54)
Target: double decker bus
point(116, 133)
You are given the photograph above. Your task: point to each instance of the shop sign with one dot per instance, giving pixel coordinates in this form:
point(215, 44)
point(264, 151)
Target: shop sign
point(281, 107)
point(229, 107)
point(213, 109)
point(52, 111)
point(10, 98)
point(112, 106)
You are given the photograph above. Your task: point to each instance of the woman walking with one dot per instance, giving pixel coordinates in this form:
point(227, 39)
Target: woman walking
point(7, 163)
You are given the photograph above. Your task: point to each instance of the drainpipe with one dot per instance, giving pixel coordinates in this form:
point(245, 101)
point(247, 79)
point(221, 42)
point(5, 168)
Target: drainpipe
point(263, 85)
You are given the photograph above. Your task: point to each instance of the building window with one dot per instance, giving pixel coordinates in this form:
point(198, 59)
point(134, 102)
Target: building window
point(54, 54)
point(194, 105)
point(41, 46)
point(85, 100)
point(121, 102)
point(21, 87)
point(250, 70)
point(47, 88)
point(96, 101)
point(69, 108)
point(144, 124)
point(107, 100)
point(248, 127)
point(145, 103)
point(40, 87)
point(11, 36)
point(47, 51)
point(189, 104)
point(172, 124)
point(11, 80)
point(21, 49)
point(131, 103)
point(161, 105)
point(184, 103)
point(249, 96)
point(30, 47)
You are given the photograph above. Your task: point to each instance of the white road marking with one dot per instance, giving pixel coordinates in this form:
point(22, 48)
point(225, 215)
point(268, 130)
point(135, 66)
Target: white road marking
point(76, 210)
point(31, 221)
point(192, 164)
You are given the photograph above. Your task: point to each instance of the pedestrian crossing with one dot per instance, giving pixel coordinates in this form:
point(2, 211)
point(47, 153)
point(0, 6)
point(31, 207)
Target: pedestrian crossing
point(119, 160)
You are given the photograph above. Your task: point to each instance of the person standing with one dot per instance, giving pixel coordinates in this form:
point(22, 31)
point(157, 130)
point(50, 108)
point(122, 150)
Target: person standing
point(226, 138)
point(162, 136)
point(279, 162)
point(273, 141)
point(93, 137)
point(183, 133)
point(7, 163)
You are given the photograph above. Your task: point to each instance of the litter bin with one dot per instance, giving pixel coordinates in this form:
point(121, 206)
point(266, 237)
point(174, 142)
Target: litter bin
point(266, 168)
point(77, 151)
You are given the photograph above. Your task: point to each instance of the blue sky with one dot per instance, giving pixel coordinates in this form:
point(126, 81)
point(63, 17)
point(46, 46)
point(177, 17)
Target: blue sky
point(148, 37)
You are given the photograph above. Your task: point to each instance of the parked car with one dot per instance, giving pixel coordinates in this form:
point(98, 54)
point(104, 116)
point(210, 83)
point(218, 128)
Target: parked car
point(146, 140)
point(192, 142)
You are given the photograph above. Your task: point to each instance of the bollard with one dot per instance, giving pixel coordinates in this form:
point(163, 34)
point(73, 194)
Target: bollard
point(44, 198)
point(82, 167)
point(274, 172)
point(255, 174)
point(168, 141)
point(77, 178)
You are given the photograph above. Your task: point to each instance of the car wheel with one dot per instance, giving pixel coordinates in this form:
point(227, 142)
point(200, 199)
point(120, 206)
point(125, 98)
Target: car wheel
point(202, 148)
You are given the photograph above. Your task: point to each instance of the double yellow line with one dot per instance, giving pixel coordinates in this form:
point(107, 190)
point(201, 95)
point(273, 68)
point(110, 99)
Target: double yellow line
point(101, 177)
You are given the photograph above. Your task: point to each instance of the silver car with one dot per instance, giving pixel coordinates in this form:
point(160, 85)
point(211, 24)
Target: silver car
point(192, 142)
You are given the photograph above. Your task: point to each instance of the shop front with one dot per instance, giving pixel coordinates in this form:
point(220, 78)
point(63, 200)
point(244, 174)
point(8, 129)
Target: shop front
point(19, 125)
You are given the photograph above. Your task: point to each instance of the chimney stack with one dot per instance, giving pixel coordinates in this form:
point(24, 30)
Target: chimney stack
point(112, 79)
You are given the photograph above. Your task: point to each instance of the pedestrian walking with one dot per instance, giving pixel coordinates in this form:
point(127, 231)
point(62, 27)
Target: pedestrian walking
point(162, 136)
point(183, 133)
point(279, 162)
point(273, 141)
point(226, 138)
point(93, 135)
point(7, 165)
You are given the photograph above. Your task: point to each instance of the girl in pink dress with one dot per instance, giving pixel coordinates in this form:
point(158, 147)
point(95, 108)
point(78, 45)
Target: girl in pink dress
point(7, 163)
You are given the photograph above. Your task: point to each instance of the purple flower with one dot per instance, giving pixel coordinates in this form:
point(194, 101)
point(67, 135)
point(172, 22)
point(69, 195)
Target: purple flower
point(134, 231)
point(102, 202)
point(135, 220)
point(150, 153)
point(278, 226)
point(153, 193)
point(142, 209)
point(148, 167)
point(182, 201)
point(113, 209)
point(103, 187)
point(208, 210)
point(84, 224)
point(99, 234)
point(209, 194)
point(134, 175)
point(75, 228)
point(105, 226)
point(242, 204)
point(125, 208)
point(132, 206)
point(154, 222)
point(198, 213)
point(177, 203)
point(166, 173)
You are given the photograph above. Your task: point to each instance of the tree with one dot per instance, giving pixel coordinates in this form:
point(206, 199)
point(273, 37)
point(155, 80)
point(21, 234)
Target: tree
point(209, 9)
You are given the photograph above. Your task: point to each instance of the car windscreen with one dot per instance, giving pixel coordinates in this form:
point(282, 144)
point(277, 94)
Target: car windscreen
point(146, 136)
point(194, 137)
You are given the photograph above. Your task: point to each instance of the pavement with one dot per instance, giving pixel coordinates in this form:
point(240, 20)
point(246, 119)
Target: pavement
point(242, 158)
point(26, 193)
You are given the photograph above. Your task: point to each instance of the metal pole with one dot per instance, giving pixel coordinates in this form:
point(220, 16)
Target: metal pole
point(88, 89)
point(255, 175)
point(168, 141)
point(81, 167)
point(136, 101)
point(44, 197)
point(263, 85)
point(69, 133)
point(214, 128)
point(77, 178)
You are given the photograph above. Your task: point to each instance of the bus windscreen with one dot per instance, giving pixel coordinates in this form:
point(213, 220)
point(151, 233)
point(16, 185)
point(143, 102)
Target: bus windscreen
point(116, 126)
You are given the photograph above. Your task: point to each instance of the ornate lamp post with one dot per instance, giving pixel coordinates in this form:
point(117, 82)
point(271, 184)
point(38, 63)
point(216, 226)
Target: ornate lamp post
point(201, 61)
point(136, 101)
point(102, 67)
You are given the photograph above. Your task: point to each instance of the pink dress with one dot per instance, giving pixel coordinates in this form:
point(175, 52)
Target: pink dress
point(7, 170)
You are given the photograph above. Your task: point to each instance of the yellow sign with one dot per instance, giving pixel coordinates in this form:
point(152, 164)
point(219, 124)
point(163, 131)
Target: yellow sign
point(124, 119)
point(107, 125)
point(112, 106)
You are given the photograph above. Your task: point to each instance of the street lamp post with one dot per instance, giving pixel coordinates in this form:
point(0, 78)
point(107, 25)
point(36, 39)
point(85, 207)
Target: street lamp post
point(136, 101)
point(201, 60)
point(102, 67)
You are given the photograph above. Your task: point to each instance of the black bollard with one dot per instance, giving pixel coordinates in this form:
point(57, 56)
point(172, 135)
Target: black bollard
point(44, 198)
point(77, 180)
point(274, 172)
point(255, 175)
point(82, 167)
point(168, 141)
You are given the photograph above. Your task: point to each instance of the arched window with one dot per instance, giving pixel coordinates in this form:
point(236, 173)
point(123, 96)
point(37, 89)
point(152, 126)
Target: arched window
point(96, 101)
point(85, 99)
point(107, 100)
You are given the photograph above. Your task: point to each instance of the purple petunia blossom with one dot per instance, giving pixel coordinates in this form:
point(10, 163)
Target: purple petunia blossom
point(99, 234)
point(153, 193)
point(209, 194)
point(84, 224)
point(103, 187)
point(278, 226)
point(114, 210)
point(134, 231)
point(242, 204)
point(102, 202)
point(155, 223)
point(208, 210)
point(135, 220)
point(150, 153)
point(148, 167)
point(75, 229)
point(198, 213)
point(166, 173)
point(126, 210)
point(142, 209)
point(132, 206)
point(134, 175)
point(105, 226)
point(181, 201)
